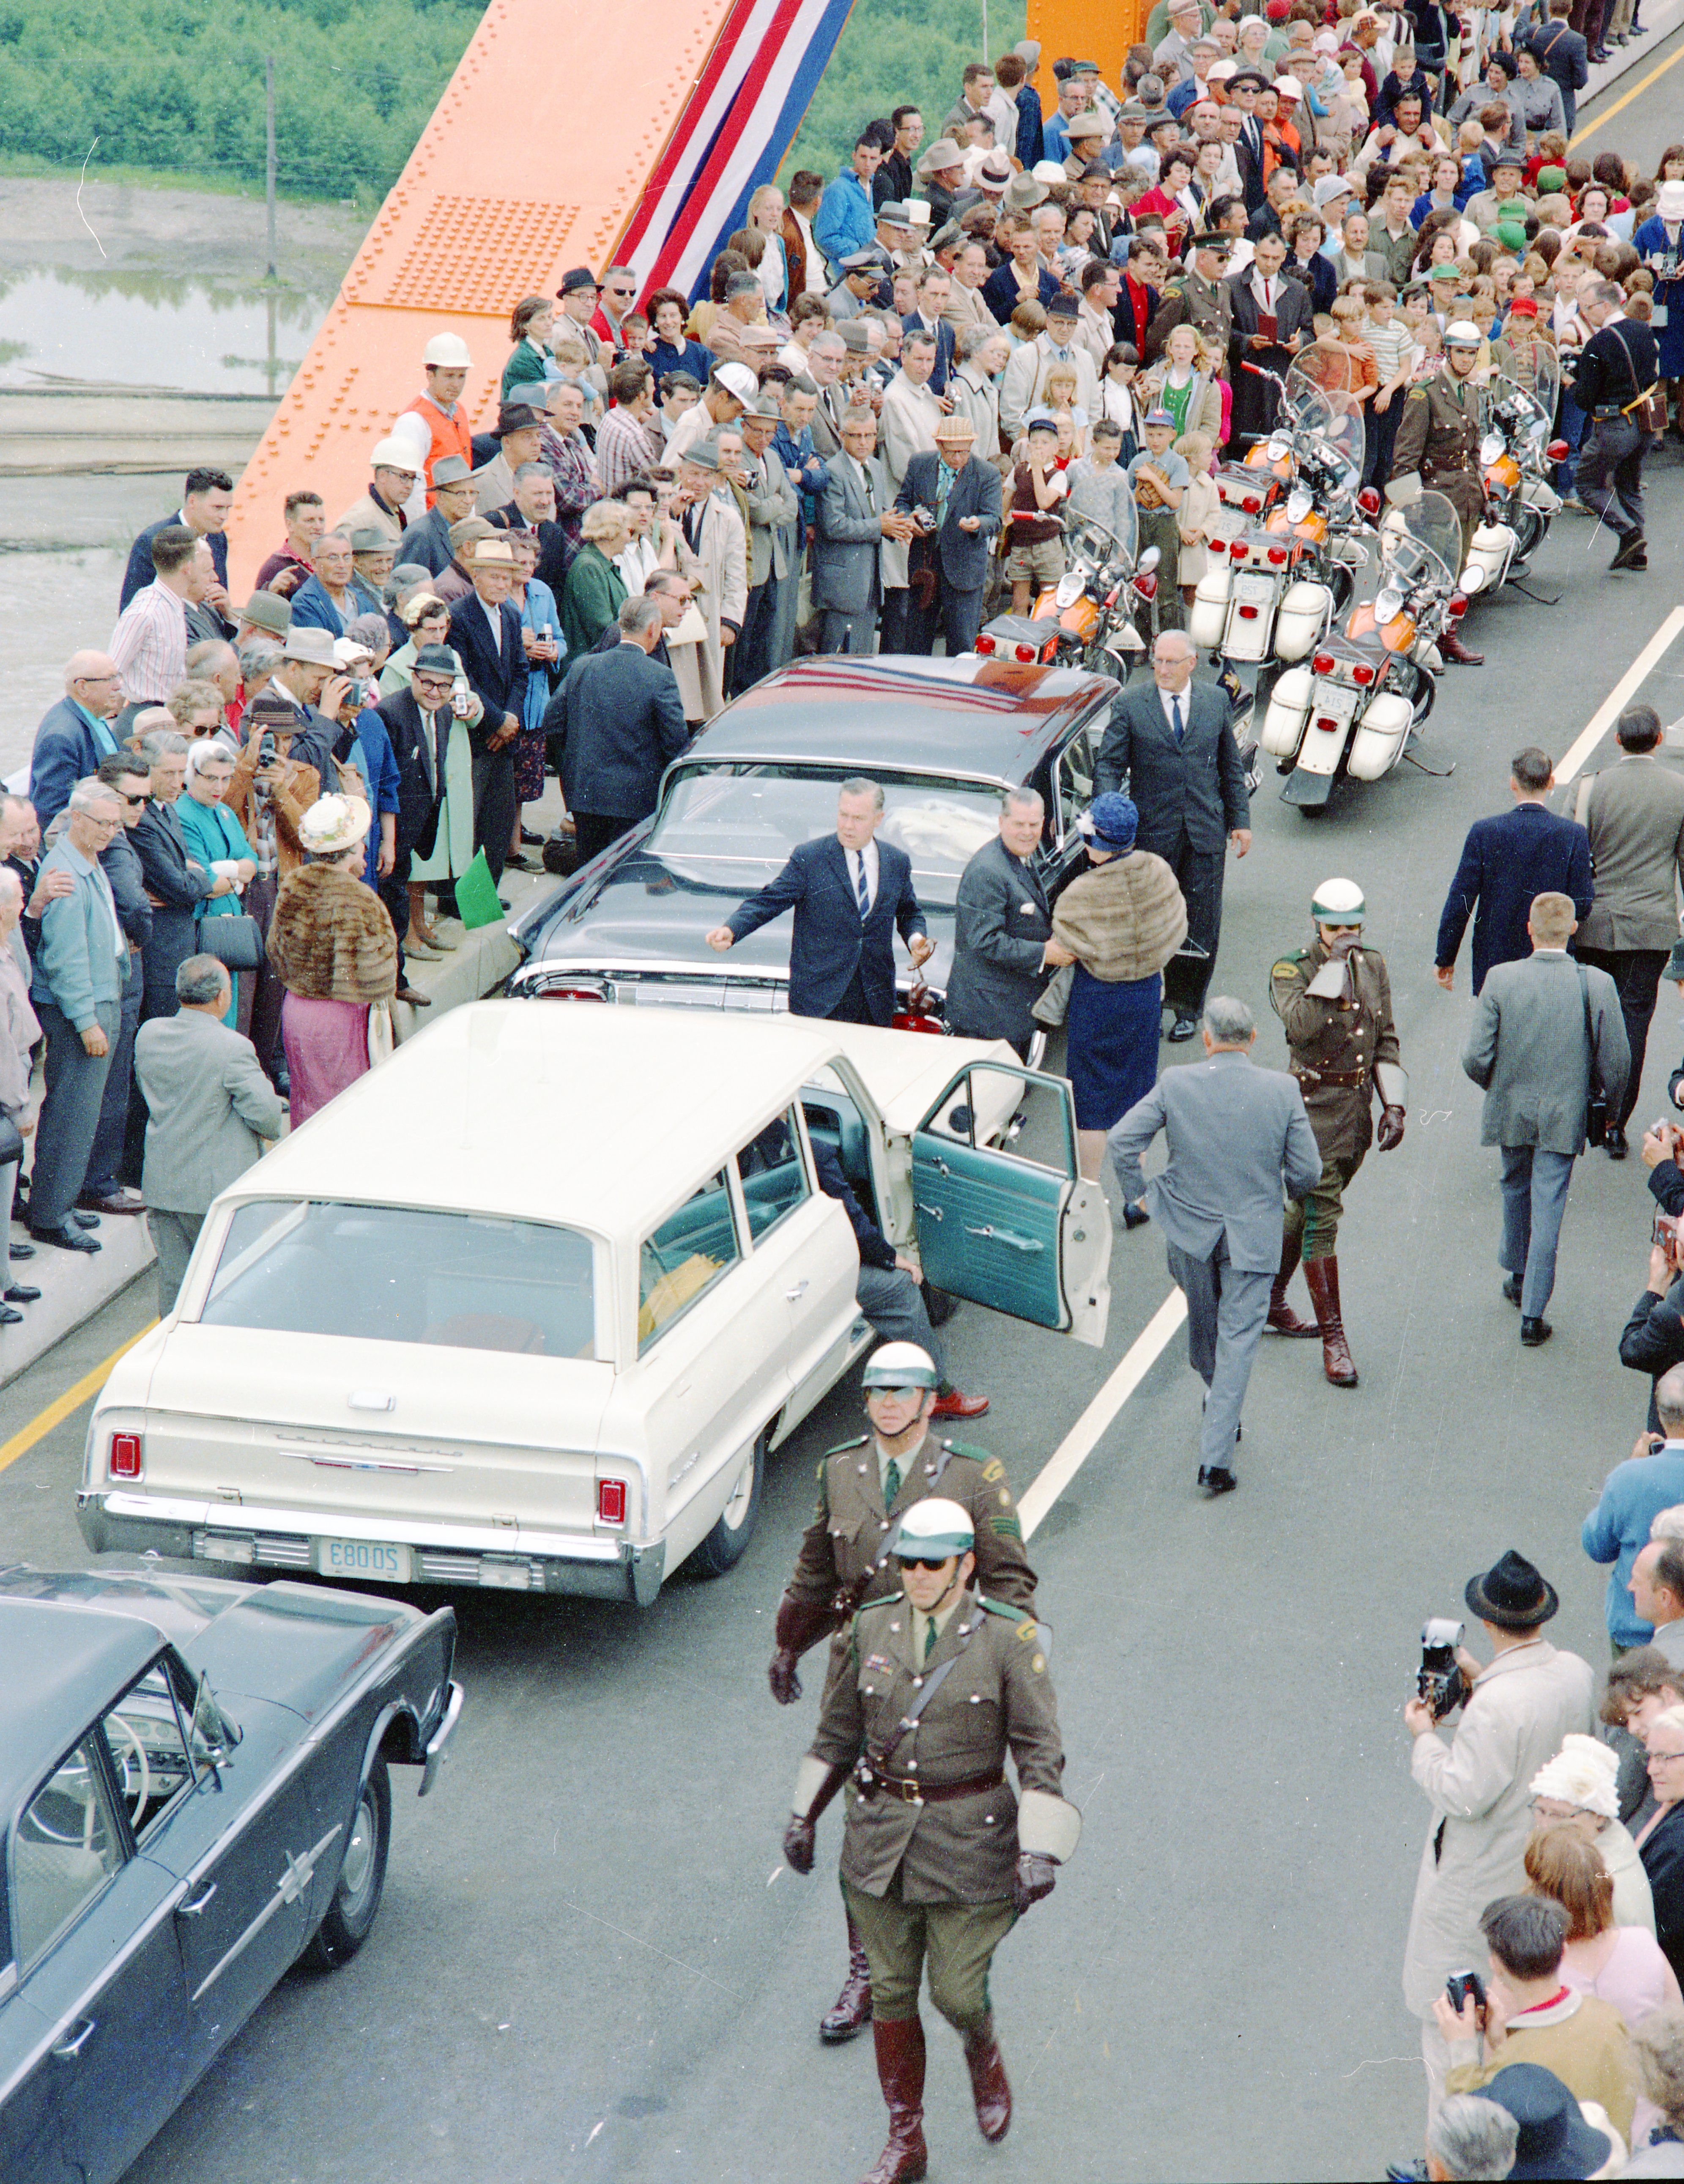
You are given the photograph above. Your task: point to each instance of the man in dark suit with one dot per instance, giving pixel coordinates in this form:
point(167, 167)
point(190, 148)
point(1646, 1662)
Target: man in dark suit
point(1003, 944)
point(206, 496)
point(935, 285)
point(963, 497)
point(1271, 324)
point(1173, 742)
point(1506, 860)
point(485, 632)
point(418, 723)
point(625, 725)
point(75, 735)
point(849, 893)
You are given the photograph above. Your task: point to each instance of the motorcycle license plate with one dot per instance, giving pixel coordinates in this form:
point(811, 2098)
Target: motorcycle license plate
point(1254, 590)
point(1069, 590)
point(1229, 523)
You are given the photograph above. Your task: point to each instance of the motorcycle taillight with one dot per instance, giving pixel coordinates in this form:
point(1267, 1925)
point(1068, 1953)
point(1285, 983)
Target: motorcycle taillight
point(1277, 555)
point(983, 645)
point(1363, 674)
point(1458, 605)
point(1251, 504)
point(1026, 652)
point(1323, 663)
point(1237, 550)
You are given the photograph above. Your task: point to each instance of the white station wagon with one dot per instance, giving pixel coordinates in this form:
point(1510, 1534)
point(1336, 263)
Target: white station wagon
point(528, 1306)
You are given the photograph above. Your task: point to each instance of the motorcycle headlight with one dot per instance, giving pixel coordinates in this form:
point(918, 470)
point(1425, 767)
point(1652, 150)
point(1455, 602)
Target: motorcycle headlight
point(1490, 447)
point(1388, 604)
point(1299, 503)
point(1279, 450)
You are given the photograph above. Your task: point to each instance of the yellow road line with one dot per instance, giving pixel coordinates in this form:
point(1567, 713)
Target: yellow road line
point(1620, 104)
point(72, 1399)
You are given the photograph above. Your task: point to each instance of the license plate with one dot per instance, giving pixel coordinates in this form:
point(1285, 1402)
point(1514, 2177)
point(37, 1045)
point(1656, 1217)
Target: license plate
point(363, 1558)
point(1254, 589)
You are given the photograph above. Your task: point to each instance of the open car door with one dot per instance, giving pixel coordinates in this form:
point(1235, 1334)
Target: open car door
point(1004, 1216)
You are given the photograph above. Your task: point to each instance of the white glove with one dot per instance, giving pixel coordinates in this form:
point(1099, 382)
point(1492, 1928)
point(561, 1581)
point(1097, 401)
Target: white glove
point(1329, 983)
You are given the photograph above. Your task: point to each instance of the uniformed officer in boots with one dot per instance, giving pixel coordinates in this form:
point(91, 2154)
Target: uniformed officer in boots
point(939, 1859)
point(1334, 1000)
point(1197, 297)
point(865, 1489)
point(1438, 447)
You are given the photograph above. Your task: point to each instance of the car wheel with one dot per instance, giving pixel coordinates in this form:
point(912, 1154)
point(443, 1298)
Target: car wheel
point(723, 1548)
point(362, 1877)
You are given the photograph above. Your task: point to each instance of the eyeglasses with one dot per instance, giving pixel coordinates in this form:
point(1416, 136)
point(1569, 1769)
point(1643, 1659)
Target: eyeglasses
point(91, 679)
point(435, 686)
point(1664, 1759)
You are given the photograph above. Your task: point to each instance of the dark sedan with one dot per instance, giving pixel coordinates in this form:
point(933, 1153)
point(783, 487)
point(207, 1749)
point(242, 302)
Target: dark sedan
point(943, 738)
point(193, 1794)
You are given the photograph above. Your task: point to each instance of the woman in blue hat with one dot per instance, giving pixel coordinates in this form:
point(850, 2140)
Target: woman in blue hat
point(1122, 920)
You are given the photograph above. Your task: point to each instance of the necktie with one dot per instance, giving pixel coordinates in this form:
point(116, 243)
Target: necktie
point(929, 1638)
point(891, 1484)
point(1175, 720)
point(860, 887)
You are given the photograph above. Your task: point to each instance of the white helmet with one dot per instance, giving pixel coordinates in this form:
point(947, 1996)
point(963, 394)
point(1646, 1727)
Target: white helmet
point(900, 1365)
point(448, 350)
point(1338, 902)
point(934, 1527)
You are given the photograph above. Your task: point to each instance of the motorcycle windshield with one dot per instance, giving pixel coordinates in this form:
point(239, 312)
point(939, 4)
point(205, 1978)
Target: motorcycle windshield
point(1421, 543)
point(1528, 379)
point(1322, 404)
point(1091, 546)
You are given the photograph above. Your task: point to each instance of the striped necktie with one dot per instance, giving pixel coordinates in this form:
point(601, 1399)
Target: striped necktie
point(860, 888)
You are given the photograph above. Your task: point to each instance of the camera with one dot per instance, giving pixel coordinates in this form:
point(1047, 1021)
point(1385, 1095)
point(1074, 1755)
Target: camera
point(1466, 1986)
point(1440, 1682)
point(925, 517)
point(1666, 1232)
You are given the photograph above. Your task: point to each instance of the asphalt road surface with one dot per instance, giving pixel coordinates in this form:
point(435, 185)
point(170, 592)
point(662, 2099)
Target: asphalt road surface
point(591, 1963)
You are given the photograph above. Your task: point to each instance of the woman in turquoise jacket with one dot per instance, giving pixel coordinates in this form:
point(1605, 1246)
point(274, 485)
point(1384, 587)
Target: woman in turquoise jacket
point(214, 836)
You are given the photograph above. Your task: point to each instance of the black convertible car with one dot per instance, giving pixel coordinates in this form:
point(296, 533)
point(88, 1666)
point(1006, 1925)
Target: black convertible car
point(944, 737)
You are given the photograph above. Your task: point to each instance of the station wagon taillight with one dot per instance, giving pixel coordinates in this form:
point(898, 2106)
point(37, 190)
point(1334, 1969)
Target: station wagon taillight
point(125, 1456)
point(610, 1501)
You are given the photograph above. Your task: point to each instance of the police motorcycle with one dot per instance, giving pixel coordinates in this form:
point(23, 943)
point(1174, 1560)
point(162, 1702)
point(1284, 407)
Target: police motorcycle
point(1517, 415)
point(1352, 706)
point(1285, 553)
point(1091, 617)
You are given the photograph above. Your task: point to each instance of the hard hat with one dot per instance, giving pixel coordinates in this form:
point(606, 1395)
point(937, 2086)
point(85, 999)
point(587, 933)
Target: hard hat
point(901, 1365)
point(1338, 902)
point(1461, 333)
point(448, 350)
point(392, 454)
point(934, 1527)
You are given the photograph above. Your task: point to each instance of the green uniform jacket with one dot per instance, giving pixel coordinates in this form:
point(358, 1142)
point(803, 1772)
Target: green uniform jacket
point(997, 1695)
point(1439, 436)
point(1189, 300)
point(1337, 1038)
point(847, 1542)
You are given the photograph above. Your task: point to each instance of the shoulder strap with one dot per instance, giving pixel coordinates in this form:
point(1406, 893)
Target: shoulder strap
point(1641, 393)
point(1591, 1034)
point(932, 1684)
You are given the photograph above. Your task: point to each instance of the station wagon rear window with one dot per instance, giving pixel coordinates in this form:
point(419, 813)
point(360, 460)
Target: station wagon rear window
point(741, 822)
point(386, 1273)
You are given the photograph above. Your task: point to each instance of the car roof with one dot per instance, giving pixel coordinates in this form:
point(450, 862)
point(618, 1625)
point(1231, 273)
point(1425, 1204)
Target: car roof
point(596, 1116)
point(990, 718)
point(64, 1666)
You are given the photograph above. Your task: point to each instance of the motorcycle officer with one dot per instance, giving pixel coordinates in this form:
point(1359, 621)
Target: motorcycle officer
point(1438, 446)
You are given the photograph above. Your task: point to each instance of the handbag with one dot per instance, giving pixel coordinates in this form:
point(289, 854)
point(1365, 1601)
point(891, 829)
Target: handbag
point(1052, 1004)
point(1595, 1099)
point(1648, 412)
point(236, 941)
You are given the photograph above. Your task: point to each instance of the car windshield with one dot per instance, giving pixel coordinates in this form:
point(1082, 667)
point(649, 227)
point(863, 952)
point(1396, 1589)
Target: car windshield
point(390, 1273)
point(734, 826)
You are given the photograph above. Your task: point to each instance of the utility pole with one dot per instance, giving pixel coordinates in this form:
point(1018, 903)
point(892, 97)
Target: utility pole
point(269, 171)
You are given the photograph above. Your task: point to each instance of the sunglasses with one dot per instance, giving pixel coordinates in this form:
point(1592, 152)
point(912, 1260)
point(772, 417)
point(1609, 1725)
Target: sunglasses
point(927, 1563)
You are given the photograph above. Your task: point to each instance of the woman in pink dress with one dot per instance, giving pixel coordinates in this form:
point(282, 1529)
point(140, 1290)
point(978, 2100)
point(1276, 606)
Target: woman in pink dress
point(332, 947)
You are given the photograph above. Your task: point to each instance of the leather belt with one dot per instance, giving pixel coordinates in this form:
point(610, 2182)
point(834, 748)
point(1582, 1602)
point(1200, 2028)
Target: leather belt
point(1348, 1077)
point(930, 1793)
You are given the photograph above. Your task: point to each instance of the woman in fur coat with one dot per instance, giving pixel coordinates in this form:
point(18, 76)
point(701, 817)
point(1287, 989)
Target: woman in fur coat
point(1121, 922)
point(332, 947)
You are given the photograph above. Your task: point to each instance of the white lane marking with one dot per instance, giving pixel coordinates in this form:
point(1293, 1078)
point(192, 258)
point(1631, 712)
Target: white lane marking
point(1611, 707)
point(1084, 1437)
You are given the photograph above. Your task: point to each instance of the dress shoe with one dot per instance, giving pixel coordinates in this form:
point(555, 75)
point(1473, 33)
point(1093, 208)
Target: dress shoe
point(419, 951)
point(21, 1251)
point(1511, 1288)
point(1630, 551)
point(1136, 1216)
point(8, 1317)
point(531, 838)
point(1183, 1028)
point(414, 996)
point(21, 1293)
point(1451, 648)
point(80, 1216)
point(1639, 562)
point(1217, 1478)
point(1535, 1331)
point(120, 1200)
point(69, 1238)
point(1618, 1144)
point(952, 1405)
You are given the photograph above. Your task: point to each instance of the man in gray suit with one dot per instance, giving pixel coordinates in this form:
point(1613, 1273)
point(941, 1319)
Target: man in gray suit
point(1634, 814)
point(1237, 1134)
point(1003, 945)
point(854, 519)
point(773, 511)
point(209, 1106)
point(1172, 740)
point(82, 963)
point(1528, 1053)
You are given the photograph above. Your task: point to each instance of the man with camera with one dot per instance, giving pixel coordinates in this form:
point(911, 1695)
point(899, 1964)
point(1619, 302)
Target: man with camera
point(1548, 1047)
point(1516, 1711)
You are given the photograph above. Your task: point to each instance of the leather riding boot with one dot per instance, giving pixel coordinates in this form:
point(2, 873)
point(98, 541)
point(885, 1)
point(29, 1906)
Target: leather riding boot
point(900, 2073)
point(1450, 647)
point(989, 2086)
point(852, 2011)
point(1282, 1319)
point(1323, 1277)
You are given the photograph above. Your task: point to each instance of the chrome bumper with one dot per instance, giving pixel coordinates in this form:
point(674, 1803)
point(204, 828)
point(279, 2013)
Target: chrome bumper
point(438, 1744)
point(525, 1560)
